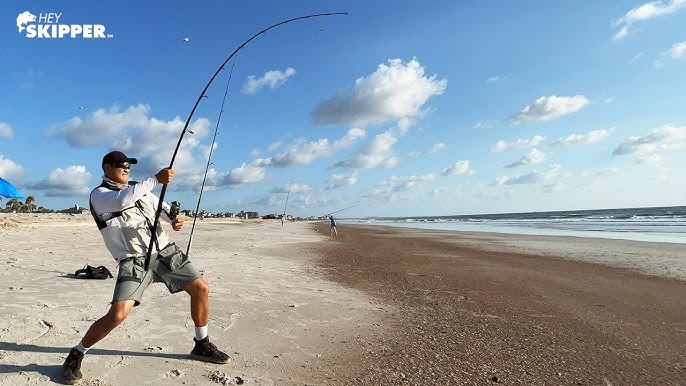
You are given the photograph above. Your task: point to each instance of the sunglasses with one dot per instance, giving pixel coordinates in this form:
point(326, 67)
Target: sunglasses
point(123, 165)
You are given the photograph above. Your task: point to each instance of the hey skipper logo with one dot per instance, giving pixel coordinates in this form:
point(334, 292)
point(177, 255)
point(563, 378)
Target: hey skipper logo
point(48, 26)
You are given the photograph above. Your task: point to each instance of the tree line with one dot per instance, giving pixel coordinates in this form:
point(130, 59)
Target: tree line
point(28, 206)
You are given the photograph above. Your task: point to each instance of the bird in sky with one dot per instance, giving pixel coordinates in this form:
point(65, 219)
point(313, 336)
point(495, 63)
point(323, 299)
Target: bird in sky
point(186, 40)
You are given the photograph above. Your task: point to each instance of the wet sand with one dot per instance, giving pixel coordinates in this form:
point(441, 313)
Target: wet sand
point(486, 309)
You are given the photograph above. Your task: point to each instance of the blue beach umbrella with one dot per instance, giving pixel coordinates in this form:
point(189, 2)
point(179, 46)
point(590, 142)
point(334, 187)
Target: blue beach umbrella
point(8, 190)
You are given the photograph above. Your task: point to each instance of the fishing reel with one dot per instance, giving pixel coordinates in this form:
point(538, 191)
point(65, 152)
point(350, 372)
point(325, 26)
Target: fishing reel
point(174, 210)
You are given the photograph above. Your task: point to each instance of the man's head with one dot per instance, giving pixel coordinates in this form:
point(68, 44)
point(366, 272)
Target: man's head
point(116, 166)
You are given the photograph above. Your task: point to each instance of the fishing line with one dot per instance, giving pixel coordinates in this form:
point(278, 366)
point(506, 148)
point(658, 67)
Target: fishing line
point(190, 116)
point(209, 156)
point(287, 195)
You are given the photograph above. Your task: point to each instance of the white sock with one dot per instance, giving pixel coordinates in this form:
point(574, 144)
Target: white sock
point(200, 332)
point(80, 348)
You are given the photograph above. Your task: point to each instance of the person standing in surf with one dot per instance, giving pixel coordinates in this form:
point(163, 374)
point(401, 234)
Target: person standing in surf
point(333, 229)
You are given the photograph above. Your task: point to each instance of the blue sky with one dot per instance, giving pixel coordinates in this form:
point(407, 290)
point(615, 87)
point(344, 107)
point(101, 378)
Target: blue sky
point(452, 107)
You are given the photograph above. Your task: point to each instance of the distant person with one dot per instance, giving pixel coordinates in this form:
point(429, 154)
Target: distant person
point(124, 211)
point(283, 220)
point(333, 226)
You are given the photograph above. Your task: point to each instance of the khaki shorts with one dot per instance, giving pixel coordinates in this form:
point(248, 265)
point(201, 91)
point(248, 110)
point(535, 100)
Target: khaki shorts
point(170, 266)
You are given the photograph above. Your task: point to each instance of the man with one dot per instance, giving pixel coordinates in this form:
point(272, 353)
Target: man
point(124, 212)
point(333, 230)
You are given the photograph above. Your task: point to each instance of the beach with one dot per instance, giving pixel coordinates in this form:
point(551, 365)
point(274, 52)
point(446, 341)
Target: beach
point(294, 306)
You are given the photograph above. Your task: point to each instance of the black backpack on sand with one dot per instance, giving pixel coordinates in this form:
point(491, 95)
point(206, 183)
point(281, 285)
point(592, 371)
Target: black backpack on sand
point(100, 272)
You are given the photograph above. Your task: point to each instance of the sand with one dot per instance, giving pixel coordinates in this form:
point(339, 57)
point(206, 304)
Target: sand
point(294, 306)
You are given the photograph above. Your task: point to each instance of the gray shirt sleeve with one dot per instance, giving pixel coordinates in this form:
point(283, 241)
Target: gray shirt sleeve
point(106, 201)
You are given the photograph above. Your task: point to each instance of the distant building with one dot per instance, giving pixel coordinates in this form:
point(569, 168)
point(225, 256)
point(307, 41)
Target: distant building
point(247, 215)
point(76, 209)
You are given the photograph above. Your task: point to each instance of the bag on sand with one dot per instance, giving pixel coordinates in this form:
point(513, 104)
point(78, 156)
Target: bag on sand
point(100, 272)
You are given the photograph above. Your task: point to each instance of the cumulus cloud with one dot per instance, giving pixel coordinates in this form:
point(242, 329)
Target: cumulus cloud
point(459, 167)
point(547, 108)
point(678, 50)
point(518, 144)
point(301, 152)
point(372, 154)
point(396, 90)
point(72, 181)
point(552, 173)
point(271, 79)
point(645, 12)
point(294, 187)
point(6, 130)
point(244, 174)
point(337, 181)
point(136, 133)
point(389, 188)
point(579, 139)
point(533, 157)
point(435, 148)
point(9, 169)
point(665, 137)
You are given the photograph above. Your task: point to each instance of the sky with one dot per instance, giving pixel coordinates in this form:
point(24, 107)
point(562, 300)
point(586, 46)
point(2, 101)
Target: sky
point(395, 109)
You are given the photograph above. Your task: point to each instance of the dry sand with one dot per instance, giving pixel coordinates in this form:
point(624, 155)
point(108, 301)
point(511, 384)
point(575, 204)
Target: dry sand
point(270, 311)
point(294, 306)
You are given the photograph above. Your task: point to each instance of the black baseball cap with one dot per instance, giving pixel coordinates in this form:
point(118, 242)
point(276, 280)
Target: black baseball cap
point(117, 157)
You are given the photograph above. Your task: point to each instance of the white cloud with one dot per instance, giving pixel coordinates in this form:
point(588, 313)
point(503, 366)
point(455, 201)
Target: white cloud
point(553, 173)
point(459, 167)
point(134, 132)
point(301, 152)
point(652, 159)
point(578, 139)
point(547, 108)
point(9, 169)
point(292, 187)
point(435, 148)
point(72, 181)
point(389, 188)
point(645, 12)
point(665, 137)
point(496, 79)
point(678, 50)
point(518, 144)
point(533, 157)
point(6, 130)
point(659, 64)
point(337, 181)
point(486, 124)
point(395, 91)
point(371, 154)
point(244, 174)
point(271, 79)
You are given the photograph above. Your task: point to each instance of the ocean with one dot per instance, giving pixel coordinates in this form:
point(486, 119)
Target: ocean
point(657, 224)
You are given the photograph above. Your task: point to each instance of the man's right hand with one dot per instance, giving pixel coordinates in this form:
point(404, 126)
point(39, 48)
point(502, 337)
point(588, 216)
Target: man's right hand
point(165, 175)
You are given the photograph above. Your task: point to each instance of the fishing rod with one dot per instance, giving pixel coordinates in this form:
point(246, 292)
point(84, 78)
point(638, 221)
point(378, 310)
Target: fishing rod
point(287, 195)
point(340, 210)
point(209, 158)
point(153, 229)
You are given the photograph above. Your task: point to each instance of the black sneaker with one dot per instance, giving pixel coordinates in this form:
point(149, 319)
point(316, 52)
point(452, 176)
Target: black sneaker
point(208, 352)
point(71, 369)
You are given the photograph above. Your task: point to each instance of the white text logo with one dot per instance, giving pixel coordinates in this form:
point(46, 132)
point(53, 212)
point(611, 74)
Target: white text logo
point(48, 26)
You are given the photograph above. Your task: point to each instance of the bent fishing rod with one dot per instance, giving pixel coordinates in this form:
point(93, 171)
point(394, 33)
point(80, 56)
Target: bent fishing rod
point(153, 229)
point(340, 210)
